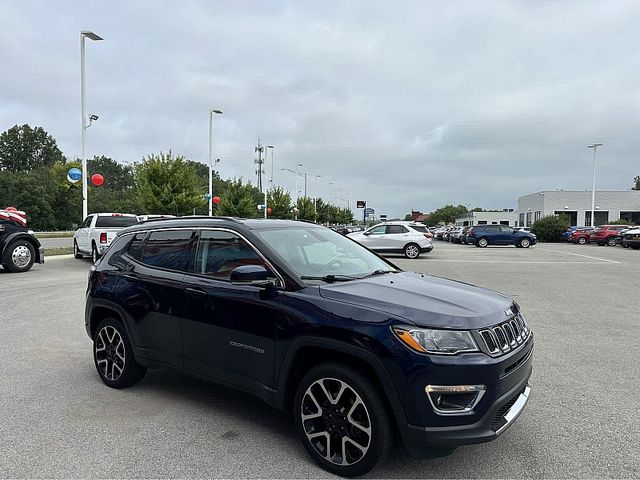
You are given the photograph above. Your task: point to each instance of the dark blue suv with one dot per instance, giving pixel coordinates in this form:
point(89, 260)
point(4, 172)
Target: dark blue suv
point(312, 322)
point(484, 235)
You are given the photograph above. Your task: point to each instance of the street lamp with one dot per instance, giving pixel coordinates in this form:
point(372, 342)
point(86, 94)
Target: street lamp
point(593, 189)
point(210, 201)
point(271, 180)
point(91, 36)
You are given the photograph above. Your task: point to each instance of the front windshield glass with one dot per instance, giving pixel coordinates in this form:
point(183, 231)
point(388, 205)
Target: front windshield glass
point(318, 252)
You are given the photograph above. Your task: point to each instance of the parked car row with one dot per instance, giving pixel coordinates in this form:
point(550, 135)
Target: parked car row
point(485, 235)
point(611, 235)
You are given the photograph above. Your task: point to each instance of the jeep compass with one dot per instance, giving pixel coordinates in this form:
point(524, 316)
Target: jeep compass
point(316, 324)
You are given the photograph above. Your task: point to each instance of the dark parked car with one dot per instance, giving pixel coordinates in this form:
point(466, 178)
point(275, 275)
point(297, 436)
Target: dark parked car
point(483, 235)
point(312, 322)
point(631, 238)
point(19, 248)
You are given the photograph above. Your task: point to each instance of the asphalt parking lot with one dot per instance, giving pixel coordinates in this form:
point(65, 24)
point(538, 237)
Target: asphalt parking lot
point(57, 419)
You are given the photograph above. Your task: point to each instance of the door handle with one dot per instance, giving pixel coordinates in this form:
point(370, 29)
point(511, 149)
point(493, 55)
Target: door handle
point(195, 292)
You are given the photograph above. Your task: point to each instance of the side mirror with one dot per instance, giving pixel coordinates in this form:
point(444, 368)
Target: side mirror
point(255, 275)
point(366, 233)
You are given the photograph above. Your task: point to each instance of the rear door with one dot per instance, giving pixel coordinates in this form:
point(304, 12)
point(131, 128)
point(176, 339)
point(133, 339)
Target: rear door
point(229, 330)
point(375, 237)
point(153, 293)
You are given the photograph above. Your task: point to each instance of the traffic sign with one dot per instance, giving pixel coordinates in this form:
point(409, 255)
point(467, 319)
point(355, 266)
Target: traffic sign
point(369, 211)
point(361, 203)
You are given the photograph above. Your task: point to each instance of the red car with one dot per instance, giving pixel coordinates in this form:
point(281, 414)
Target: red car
point(580, 235)
point(606, 234)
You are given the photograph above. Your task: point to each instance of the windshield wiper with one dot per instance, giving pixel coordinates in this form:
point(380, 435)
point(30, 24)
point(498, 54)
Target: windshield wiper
point(329, 278)
point(379, 272)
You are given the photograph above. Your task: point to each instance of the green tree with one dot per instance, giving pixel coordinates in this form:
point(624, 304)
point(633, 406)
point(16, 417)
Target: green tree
point(550, 228)
point(279, 201)
point(305, 209)
point(167, 184)
point(446, 214)
point(23, 149)
point(238, 200)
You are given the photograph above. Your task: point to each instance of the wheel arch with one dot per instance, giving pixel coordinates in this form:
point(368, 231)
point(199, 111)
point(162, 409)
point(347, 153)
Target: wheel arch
point(306, 353)
point(101, 310)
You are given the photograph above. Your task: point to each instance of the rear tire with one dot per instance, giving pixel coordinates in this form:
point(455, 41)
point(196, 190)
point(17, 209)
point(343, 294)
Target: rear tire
point(482, 242)
point(95, 256)
point(342, 420)
point(113, 355)
point(19, 256)
point(411, 250)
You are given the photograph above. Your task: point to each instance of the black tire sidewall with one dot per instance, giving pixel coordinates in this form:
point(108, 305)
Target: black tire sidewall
point(479, 242)
point(381, 429)
point(76, 251)
point(522, 241)
point(8, 260)
point(132, 372)
point(95, 256)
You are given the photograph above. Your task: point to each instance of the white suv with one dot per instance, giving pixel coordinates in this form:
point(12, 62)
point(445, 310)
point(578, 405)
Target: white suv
point(408, 238)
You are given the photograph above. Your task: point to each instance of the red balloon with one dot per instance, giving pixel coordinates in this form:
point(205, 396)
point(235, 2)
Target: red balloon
point(97, 180)
point(268, 210)
point(216, 200)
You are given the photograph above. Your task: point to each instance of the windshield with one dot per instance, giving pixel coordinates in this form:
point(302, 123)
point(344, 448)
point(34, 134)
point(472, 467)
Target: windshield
point(320, 252)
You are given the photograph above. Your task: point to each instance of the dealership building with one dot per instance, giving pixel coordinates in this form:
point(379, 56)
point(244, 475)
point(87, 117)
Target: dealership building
point(505, 217)
point(609, 206)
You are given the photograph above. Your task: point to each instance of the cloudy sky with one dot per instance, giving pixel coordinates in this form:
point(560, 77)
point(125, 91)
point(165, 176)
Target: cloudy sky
point(404, 104)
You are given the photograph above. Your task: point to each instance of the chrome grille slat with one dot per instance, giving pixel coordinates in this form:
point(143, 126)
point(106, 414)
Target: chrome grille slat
point(506, 336)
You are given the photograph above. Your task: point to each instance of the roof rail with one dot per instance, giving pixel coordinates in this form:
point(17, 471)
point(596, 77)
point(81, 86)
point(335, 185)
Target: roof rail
point(216, 217)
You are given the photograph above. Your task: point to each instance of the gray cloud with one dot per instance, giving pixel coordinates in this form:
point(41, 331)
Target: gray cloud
point(404, 104)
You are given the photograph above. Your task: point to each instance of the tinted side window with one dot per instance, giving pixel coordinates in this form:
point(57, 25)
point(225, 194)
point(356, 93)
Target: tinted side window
point(396, 229)
point(220, 252)
point(116, 247)
point(136, 245)
point(378, 230)
point(171, 249)
point(87, 222)
point(115, 221)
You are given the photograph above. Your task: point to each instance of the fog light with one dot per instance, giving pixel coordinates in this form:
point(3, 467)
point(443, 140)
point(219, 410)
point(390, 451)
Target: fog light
point(454, 399)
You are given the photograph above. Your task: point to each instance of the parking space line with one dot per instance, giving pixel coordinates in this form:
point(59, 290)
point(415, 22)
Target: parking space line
point(579, 255)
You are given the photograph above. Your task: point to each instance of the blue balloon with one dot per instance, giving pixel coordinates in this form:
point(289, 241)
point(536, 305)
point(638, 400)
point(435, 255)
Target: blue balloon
point(74, 174)
point(206, 196)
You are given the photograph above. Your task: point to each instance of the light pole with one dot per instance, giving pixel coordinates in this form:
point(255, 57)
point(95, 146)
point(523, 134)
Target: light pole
point(271, 147)
point(91, 36)
point(315, 197)
point(593, 188)
point(210, 201)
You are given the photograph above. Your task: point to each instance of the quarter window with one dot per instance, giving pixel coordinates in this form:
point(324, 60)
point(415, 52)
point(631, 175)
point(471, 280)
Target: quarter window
point(220, 252)
point(170, 249)
point(396, 229)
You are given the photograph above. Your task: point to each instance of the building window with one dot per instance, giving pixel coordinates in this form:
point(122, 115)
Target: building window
point(504, 222)
point(482, 222)
point(521, 222)
point(537, 216)
point(528, 219)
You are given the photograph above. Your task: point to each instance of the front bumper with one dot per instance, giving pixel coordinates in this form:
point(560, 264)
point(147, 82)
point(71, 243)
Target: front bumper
point(631, 243)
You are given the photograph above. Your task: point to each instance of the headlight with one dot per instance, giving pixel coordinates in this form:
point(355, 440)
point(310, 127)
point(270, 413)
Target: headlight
point(444, 342)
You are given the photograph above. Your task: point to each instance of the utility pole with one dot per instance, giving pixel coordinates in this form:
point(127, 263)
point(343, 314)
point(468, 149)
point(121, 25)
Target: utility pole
point(593, 189)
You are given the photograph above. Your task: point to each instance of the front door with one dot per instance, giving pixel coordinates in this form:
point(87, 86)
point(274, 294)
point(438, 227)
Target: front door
point(82, 236)
point(229, 330)
point(376, 237)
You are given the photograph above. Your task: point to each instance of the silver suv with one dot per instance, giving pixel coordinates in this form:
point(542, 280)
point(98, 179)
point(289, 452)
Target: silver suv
point(408, 238)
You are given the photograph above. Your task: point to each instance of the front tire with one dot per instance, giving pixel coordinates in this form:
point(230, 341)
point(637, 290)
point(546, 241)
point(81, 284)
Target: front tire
point(524, 243)
point(611, 242)
point(76, 251)
point(113, 355)
point(342, 420)
point(482, 242)
point(411, 251)
point(582, 240)
point(19, 256)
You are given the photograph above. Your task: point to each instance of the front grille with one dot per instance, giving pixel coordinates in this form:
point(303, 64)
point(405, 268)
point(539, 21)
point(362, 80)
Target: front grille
point(506, 336)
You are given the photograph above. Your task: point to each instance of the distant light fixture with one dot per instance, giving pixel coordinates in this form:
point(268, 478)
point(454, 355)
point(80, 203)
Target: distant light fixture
point(91, 35)
point(93, 117)
point(566, 206)
point(219, 112)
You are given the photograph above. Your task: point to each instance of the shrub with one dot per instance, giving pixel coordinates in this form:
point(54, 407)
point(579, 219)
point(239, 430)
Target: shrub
point(551, 228)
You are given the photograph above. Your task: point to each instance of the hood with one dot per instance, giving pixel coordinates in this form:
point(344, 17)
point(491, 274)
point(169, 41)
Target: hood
point(424, 300)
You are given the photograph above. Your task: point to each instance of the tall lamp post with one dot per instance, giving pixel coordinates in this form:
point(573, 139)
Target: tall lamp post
point(210, 201)
point(593, 188)
point(91, 36)
point(271, 147)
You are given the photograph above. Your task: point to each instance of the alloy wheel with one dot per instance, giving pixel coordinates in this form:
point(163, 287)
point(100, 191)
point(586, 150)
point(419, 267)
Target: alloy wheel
point(412, 251)
point(336, 421)
point(110, 353)
point(483, 242)
point(524, 243)
point(21, 256)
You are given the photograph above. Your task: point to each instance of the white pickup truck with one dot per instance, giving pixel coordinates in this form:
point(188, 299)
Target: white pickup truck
point(97, 232)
